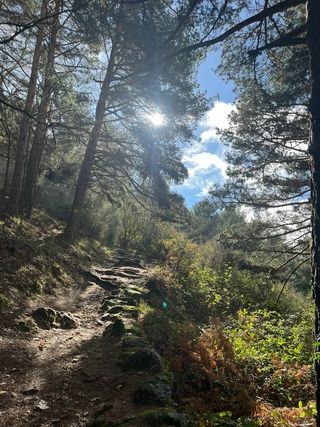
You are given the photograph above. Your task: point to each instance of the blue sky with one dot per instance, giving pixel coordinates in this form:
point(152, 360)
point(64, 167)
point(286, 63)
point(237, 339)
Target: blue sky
point(205, 157)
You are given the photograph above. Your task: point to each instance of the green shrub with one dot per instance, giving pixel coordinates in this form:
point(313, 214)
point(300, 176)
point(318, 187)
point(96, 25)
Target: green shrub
point(277, 352)
point(225, 419)
point(267, 335)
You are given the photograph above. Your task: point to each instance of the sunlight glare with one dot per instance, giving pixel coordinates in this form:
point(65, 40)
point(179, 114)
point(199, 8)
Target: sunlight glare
point(157, 119)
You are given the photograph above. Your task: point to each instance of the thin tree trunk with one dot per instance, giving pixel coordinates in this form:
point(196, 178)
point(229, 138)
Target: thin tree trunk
point(41, 127)
point(313, 39)
point(8, 162)
point(17, 177)
point(88, 160)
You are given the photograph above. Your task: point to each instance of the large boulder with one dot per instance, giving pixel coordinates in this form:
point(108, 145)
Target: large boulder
point(47, 318)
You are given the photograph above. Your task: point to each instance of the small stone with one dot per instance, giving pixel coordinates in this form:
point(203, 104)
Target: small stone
point(30, 391)
point(119, 386)
point(45, 317)
point(116, 309)
point(42, 405)
point(118, 328)
point(66, 321)
point(106, 317)
point(107, 303)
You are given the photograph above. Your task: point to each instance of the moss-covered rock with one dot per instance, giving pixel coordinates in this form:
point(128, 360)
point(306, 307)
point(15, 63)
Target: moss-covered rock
point(133, 327)
point(133, 341)
point(110, 302)
point(115, 309)
point(154, 391)
point(144, 359)
point(131, 310)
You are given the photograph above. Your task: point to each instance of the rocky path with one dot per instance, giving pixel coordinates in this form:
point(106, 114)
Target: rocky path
point(65, 377)
point(92, 366)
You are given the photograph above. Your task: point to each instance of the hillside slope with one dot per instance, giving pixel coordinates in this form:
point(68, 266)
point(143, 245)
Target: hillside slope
point(72, 348)
point(95, 337)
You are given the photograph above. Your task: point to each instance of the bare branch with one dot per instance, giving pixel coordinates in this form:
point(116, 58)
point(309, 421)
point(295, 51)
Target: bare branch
point(266, 13)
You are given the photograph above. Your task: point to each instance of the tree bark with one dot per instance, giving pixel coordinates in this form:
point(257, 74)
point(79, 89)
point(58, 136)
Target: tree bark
point(82, 184)
point(313, 40)
point(18, 172)
point(4, 190)
point(41, 127)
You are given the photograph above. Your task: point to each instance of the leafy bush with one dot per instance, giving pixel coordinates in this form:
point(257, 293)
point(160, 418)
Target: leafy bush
point(222, 290)
point(266, 336)
point(141, 230)
point(258, 346)
point(278, 351)
point(181, 256)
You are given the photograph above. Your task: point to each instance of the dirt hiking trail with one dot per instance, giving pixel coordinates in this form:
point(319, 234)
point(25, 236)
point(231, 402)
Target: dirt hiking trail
point(68, 374)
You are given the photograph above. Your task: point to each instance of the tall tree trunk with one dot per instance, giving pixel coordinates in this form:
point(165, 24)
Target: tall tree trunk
point(6, 175)
point(17, 177)
point(41, 127)
point(88, 160)
point(5, 187)
point(313, 39)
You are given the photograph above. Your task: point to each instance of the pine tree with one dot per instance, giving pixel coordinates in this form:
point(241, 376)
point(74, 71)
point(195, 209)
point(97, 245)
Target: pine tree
point(134, 83)
point(25, 124)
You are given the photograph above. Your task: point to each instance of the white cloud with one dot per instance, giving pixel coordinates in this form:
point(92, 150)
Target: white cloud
point(204, 169)
point(202, 162)
point(204, 166)
point(194, 148)
point(214, 119)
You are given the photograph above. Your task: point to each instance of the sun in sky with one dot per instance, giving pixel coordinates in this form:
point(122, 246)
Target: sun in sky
point(156, 118)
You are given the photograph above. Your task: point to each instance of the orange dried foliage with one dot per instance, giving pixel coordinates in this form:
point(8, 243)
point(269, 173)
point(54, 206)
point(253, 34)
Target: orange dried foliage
point(208, 376)
point(284, 417)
